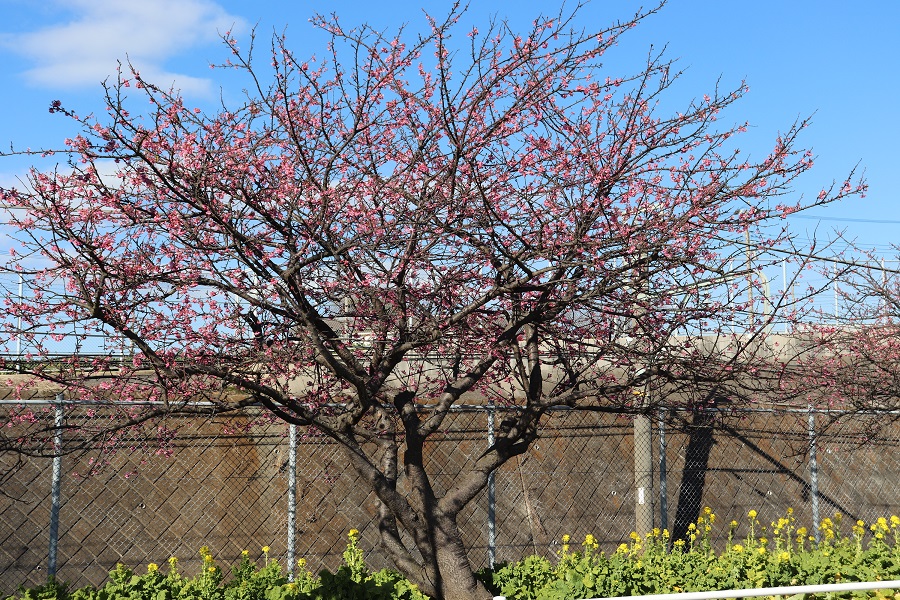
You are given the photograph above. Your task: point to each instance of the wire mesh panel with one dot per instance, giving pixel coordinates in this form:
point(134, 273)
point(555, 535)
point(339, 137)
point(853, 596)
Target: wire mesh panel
point(218, 483)
point(576, 479)
point(222, 492)
point(859, 464)
point(331, 500)
point(168, 488)
point(24, 515)
point(737, 461)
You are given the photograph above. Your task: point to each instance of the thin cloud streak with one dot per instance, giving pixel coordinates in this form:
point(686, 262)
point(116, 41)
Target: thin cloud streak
point(86, 48)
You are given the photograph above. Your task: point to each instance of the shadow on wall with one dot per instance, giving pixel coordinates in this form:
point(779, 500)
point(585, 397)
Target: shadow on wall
point(693, 480)
point(701, 432)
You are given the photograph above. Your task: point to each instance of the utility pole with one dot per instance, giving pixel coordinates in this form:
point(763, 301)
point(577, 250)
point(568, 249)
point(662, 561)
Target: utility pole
point(643, 450)
point(643, 467)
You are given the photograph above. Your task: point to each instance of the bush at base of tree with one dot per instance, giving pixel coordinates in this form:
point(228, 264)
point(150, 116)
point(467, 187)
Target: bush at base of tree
point(781, 554)
point(249, 581)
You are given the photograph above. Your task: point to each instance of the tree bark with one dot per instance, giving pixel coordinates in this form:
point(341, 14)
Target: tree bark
point(458, 582)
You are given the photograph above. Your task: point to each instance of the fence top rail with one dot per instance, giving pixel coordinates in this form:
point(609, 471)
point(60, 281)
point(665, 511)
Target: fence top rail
point(480, 407)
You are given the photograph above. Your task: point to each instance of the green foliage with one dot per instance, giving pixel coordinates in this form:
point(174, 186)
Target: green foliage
point(521, 579)
point(781, 554)
point(248, 581)
point(353, 581)
point(49, 591)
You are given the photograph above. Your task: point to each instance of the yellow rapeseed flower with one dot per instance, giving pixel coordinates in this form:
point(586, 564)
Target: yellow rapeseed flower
point(301, 563)
point(589, 540)
point(737, 548)
point(565, 538)
point(353, 533)
point(733, 524)
point(265, 549)
point(152, 568)
point(633, 535)
point(752, 514)
point(895, 521)
point(622, 548)
point(707, 510)
point(211, 569)
point(245, 553)
point(784, 556)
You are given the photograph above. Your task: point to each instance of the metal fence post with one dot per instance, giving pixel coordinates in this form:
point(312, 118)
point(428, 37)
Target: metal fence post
point(813, 473)
point(55, 485)
point(292, 501)
point(663, 498)
point(491, 491)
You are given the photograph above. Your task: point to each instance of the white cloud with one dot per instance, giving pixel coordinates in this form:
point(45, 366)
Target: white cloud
point(84, 50)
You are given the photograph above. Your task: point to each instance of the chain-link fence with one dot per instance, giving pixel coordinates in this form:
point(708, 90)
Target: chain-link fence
point(226, 482)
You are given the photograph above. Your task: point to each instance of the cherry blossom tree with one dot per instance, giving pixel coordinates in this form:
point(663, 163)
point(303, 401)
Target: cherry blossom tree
point(857, 348)
point(409, 223)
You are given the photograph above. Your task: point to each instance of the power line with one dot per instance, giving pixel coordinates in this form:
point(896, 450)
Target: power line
point(845, 219)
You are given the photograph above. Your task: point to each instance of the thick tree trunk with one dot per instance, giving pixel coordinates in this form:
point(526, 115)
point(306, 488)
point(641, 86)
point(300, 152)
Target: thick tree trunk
point(457, 582)
point(444, 572)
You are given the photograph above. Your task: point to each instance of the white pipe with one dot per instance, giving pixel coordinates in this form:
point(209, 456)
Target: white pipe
point(784, 590)
point(292, 502)
point(491, 494)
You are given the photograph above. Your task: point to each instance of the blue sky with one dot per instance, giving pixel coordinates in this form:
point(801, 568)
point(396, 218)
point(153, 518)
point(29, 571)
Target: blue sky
point(834, 59)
